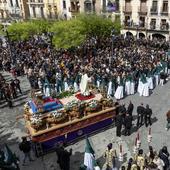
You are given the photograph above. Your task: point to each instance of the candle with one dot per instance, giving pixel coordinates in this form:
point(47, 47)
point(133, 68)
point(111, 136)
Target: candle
point(138, 136)
point(136, 141)
point(150, 131)
point(120, 148)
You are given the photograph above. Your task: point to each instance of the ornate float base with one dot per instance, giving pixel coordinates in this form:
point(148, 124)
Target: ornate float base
point(71, 131)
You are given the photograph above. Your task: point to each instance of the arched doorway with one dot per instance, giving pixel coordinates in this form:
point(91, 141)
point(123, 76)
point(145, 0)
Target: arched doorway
point(159, 36)
point(141, 35)
point(129, 34)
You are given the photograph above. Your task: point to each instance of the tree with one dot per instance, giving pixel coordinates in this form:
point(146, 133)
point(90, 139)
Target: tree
point(117, 24)
point(68, 34)
point(97, 26)
point(23, 30)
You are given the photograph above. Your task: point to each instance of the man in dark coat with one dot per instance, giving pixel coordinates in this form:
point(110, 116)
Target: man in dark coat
point(63, 157)
point(130, 108)
point(128, 124)
point(148, 113)
point(164, 155)
point(140, 115)
point(122, 110)
point(17, 84)
point(25, 147)
point(119, 123)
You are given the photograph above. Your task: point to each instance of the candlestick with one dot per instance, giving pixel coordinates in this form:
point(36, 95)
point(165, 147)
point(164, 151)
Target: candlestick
point(136, 141)
point(120, 148)
point(150, 131)
point(138, 137)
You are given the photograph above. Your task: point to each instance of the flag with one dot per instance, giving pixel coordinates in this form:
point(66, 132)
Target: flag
point(89, 156)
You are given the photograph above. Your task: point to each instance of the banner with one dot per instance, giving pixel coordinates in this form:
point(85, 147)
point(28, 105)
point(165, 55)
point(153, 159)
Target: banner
point(111, 6)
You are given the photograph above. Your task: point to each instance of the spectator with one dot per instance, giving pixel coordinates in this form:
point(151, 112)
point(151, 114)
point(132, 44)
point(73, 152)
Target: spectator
point(25, 147)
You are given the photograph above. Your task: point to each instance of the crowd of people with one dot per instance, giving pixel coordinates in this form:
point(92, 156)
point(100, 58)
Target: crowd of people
point(125, 118)
point(132, 65)
point(9, 90)
point(153, 160)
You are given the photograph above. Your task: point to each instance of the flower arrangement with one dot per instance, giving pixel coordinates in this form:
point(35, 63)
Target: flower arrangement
point(56, 115)
point(36, 121)
point(71, 104)
point(65, 94)
point(93, 104)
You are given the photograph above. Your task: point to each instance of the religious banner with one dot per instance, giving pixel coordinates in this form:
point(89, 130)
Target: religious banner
point(111, 6)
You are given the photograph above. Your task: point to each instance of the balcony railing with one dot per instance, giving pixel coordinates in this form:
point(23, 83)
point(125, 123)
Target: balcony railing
point(164, 26)
point(154, 11)
point(127, 9)
point(133, 26)
point(74, 10)
point(164, 13)
point(142, 10)
point(161, 27)
point(145, 26)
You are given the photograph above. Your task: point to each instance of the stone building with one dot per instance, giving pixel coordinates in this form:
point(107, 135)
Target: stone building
point(145, 18)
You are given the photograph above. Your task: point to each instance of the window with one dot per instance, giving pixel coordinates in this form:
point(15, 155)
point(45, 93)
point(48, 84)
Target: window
point(163, 24)
point(34, 12)
point(127, 21)
point(142, 22)
point(64, 4)
point(17, 4)
point(87, 6)
point(154, 6)
point(73, 6)
point(42, 12)
point(153, 24)
point(11, 2)
point(165, 6)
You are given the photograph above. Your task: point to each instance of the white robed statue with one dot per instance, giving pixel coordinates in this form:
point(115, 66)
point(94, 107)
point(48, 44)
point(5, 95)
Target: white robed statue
point(84, 89)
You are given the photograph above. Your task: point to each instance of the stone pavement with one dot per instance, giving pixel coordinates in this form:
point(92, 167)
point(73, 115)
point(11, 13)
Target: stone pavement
point(11, 129)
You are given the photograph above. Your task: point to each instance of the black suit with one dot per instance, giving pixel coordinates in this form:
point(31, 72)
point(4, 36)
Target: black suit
point(148, 113)
point(119, 123)
point(128, 124)
point(63, 158)
point(130, 109)
point(140, 112)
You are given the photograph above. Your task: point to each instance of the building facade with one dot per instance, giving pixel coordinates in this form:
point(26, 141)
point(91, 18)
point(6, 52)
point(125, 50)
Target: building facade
point(10, 10)
point(66, 9)
point(145, 18)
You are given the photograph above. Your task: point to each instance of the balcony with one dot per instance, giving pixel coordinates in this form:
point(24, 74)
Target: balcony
point(154, 11)
point(133, 26)
point(127, 9)
point(164, 13)
point(164, 26)
point(161, 27)
point(142, 11)
point(74, 12)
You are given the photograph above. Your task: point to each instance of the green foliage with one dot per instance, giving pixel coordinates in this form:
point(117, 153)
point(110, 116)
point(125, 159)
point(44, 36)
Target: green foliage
point(65, 94)
point(2, 30)
point(97, 25)
point(23, 30)
point(117, 24)
point(42, 25)
point(68, 34)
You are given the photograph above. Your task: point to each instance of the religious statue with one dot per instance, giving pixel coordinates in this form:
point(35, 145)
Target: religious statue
point(84, 88)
